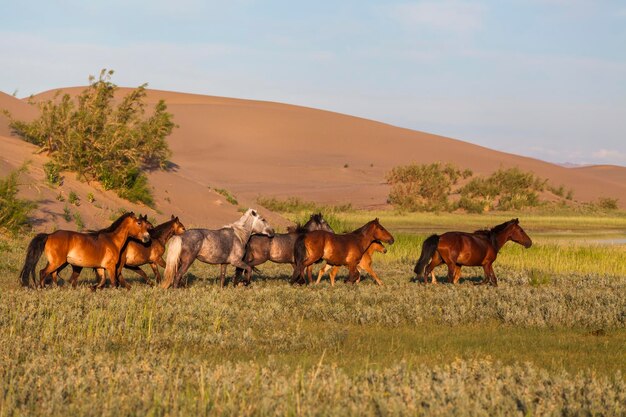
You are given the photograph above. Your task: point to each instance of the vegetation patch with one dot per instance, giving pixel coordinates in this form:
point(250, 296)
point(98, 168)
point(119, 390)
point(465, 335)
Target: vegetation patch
point(14, 211)
point(101, 139)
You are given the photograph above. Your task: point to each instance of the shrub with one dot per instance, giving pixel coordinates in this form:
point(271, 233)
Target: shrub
point(80, 225)
point(52, 172)
point(91, 198)
point(607, 203)
point(424, 187)
point(227, 195)
point(73, 199)
point(14, 211)
point(101, 140)
point(505, 189)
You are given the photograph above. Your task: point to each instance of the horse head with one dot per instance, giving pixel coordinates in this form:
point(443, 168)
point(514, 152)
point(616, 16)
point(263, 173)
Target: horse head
point(139, 227)
point(377, 246)
point(177, 226)
point(317, 222)
point(518, 235)
point(380, 233)
point(259, 224)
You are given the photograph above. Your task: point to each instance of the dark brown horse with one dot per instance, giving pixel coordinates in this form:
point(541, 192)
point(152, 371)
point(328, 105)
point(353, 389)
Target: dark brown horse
point(279, 248)
point(457, 249)
point(337, 249)
point(137, 253)
point(364, 265)
point(100, 249)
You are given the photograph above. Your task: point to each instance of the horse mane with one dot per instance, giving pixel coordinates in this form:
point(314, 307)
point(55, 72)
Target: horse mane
point(157, 231)
point(238, 227)
point(494, 231)
point(298, 228)
point(364, 227)
point(113, 225)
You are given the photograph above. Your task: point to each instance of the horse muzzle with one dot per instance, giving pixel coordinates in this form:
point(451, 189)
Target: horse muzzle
point(145, 238)
point(270, 232)
point(390, 241)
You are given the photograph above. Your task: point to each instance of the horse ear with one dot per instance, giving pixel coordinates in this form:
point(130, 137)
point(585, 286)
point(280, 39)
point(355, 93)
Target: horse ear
point(172, 218)
point(516, 221)
point(254, 213)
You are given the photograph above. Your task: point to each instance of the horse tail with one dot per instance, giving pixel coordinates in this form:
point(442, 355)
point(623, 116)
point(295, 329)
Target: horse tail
point(33, 253)
point(299, 250)
point(428, 250)
point(172, 261)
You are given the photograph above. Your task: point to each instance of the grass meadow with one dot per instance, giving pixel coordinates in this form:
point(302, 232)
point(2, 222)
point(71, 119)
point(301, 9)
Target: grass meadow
point(550, 340)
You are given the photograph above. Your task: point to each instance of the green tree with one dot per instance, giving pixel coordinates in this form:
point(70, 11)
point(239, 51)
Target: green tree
point(101, 138)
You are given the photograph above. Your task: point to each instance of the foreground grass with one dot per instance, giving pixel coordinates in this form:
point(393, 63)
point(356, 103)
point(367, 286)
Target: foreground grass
point(549, 341)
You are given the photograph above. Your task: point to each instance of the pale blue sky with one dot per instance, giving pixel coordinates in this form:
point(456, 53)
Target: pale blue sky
point(543, 78)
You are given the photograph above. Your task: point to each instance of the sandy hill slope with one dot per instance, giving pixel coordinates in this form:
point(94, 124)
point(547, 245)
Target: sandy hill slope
point(255, 148)
point(196, 204)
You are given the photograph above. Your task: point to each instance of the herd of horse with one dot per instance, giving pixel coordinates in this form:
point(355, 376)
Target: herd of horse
point(131, 241)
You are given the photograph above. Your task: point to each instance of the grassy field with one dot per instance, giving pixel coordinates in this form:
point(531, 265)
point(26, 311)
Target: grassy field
point(550, 340)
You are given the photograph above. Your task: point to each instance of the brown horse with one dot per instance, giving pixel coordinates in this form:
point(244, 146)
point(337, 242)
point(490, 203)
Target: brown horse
point(100, 249)
point(364, 265)
point(336, 249)
point(457, 249)
point(137, 253)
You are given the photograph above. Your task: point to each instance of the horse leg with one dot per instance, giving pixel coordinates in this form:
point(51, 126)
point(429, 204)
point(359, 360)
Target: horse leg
point(223, 275)
point(140, 272)
point(157, 274)
point(47, 270)
point(492, 275)
point(185, 263)
point(333, 274)
point(457, 275)
point(370, 271)
point(241, 264)
point(160, 262)
point(353, 273)
point(430, 269)
point(76, 270)
point(309, 274)
point(103, 279)
point(320, 274)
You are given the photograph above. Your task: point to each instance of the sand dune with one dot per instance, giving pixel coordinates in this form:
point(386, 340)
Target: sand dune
point(255, 148)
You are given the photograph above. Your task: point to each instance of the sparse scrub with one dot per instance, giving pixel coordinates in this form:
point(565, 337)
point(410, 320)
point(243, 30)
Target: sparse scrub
point(607, 203)
point(102, 140)
point(78, 220)
point(52, 172)
point(227, 195)
point(14, 211)
point(295, 205)
point(73, 199)
point(67, 214)
point(505, 189)
point(424, 187)
point(90, 197)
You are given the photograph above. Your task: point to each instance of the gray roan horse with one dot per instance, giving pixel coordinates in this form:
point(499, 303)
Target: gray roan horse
point(279, 249)
point(223, 246)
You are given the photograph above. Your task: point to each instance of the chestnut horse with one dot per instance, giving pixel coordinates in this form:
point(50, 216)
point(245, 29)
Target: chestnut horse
point(364, 265)
point(457, 249)
point(137, 253)
point(100, 249)
point(336, 249)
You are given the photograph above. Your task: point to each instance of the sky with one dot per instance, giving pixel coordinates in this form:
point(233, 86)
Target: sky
point(541, 78)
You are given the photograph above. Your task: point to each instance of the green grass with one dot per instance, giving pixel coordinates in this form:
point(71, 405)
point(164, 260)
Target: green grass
point(549, 340)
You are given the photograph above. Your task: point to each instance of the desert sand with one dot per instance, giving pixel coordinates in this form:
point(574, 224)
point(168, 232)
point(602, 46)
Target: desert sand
point(256, 148)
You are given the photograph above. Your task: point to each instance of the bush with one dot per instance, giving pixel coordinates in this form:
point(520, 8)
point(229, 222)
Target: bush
point(101, 140)
point(607, 203)
point(14, 211)
point(52, 172)
point(505, 189)
point(73, 199)
point(424, 187)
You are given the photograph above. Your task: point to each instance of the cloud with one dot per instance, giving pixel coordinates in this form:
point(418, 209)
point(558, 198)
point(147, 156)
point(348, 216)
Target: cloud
point(444, 15)
point(609, 155)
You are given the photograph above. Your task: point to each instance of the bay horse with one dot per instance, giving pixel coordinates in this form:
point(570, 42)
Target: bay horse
point(336, 249)
point(223, 246)
point(364, 265)
point(99, 249)
point(137, 253)
point(457, 249)
point(279, 249)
